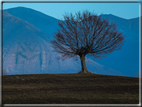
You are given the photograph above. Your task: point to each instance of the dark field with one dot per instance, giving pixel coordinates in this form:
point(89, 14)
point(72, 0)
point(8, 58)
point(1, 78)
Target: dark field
point(69, 89)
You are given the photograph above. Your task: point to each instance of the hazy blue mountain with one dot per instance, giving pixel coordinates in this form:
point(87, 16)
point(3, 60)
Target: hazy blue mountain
point(26, 50)
point(125, 60)
point(43, 22)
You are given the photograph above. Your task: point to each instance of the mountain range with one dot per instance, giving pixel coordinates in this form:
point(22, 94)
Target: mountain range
point(27, 48)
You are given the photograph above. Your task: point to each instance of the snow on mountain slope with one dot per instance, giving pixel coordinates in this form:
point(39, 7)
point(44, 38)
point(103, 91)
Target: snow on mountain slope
point(26, 50)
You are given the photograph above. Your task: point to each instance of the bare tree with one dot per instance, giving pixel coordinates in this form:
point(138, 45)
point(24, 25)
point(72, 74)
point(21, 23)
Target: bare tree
point(85, 33)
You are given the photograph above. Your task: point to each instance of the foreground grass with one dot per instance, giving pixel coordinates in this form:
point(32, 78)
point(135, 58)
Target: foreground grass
point(69, 89)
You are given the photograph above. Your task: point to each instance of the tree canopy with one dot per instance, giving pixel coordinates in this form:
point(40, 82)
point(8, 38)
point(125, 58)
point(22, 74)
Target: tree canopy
point(85, 33)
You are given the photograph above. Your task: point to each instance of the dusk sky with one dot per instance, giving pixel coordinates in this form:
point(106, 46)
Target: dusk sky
point(124, 10)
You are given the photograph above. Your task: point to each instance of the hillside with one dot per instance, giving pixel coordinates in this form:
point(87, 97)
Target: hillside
point(69, 89)
point(123, 62)
point(26, 50)
point(42, 21)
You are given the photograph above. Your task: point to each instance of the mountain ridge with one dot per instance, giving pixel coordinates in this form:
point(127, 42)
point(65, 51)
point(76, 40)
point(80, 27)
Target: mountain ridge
point(47, 24)
point(116, 60)
point(29, 9)
point(21, 7)
point(26, 51)
point(49, 28)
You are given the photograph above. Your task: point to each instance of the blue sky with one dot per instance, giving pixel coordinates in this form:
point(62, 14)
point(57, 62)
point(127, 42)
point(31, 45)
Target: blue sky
point(124, 10)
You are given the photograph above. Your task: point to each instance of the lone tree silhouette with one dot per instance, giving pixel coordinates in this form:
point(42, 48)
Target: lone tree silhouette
point(85, 33)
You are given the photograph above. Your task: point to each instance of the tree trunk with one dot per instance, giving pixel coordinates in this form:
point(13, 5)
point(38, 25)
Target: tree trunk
point(83, 64)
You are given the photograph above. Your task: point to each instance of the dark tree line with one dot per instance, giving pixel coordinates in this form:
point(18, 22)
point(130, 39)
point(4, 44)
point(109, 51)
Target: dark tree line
point(86, 34)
